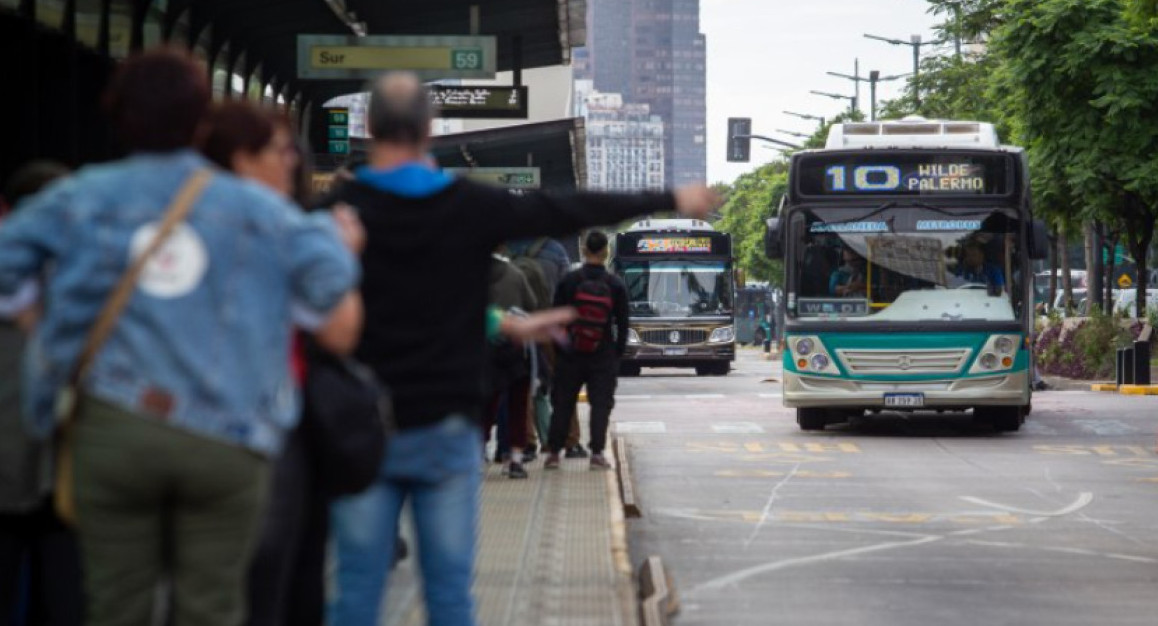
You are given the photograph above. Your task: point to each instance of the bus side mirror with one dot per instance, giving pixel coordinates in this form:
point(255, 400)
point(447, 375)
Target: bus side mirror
point(1038, 241)
point(773, 239)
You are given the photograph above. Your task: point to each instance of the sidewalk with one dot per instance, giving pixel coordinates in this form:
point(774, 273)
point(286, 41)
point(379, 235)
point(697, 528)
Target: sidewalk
point(552, 552)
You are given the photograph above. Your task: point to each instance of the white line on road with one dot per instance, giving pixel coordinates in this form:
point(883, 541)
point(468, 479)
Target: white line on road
point(770, 395)
point(737, 428)
point(768, 506)
point(641, 428)
point(740, 576)
point(633, 397)
point(705, 396)
point(1105, 427)
point(1082, 502)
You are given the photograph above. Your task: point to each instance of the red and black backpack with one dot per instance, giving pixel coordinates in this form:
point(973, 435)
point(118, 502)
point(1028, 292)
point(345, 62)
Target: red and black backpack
point(594, 303)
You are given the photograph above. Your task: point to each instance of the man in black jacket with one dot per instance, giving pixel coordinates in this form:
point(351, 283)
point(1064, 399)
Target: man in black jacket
point(601, 299)
point(425, 276)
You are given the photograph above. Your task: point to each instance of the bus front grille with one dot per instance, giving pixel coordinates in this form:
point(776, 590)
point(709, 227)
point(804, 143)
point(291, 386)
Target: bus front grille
point(940, 361)
point(673, 336)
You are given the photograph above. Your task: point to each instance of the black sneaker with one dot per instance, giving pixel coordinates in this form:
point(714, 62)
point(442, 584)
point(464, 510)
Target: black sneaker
point(576, 452)
point(529, 455)
point(516, 470)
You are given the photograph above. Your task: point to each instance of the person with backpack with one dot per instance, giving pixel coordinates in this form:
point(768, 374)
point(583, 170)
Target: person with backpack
point(510, 371)
point(598, 338)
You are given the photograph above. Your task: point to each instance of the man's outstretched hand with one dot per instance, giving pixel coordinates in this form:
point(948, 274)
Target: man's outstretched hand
point(539, 327)
point(696, 201)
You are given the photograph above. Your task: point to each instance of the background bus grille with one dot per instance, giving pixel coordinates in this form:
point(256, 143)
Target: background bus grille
point(946, 361)
point(687, 336)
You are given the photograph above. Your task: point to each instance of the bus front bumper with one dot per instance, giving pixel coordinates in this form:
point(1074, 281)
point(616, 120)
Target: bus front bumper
point(812, 391)
point(656, 356)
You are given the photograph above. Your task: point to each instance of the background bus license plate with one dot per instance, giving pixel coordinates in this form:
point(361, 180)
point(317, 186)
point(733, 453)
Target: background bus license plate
point(675, 351)
point(909, 400)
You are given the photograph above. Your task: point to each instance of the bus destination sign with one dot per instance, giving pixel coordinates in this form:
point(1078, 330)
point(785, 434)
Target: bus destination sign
point(674, 245)
point(904, 174)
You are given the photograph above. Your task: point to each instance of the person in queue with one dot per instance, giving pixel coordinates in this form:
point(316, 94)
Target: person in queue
point(425, 230)
point(286, 578)
point(191, 394)
point(598, 340)
point(39, 559)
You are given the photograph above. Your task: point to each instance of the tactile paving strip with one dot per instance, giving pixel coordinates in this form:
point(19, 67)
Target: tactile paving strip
point(546, 552)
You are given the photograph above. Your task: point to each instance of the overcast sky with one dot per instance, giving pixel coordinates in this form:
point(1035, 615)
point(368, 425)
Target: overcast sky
point(764, 56)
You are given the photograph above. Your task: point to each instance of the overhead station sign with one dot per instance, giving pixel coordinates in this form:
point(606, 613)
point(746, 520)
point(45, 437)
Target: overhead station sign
point(479, 102)
point(508, 177)
point(432, 57)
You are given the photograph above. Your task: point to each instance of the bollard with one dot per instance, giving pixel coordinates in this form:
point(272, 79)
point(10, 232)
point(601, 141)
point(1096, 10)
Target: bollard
point(1120, 366)
point(1141, 364)
point(1128, 366)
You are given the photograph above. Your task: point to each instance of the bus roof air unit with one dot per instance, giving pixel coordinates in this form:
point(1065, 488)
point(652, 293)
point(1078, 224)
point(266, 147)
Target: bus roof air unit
point(913, 132)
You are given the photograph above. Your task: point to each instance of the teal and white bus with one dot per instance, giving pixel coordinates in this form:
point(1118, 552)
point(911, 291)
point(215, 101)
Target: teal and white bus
point(907, 249)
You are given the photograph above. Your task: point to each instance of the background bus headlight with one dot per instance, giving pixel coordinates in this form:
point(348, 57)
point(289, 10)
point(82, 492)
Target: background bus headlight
point(989, 361)
point(997, 355)
point(820, 362)
point(804, 347)
point(632, 337)
point(722, 335)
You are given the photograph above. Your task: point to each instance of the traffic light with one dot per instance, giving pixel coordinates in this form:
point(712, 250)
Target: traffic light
point(739, 139)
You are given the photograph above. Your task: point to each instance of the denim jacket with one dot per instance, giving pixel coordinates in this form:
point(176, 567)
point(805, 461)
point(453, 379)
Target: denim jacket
point(204, 341)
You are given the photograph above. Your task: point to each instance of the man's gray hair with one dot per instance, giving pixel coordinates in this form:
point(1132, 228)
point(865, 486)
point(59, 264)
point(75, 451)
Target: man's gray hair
point(400, 109)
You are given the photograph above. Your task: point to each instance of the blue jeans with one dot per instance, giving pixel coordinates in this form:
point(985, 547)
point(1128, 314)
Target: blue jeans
point(437, 467)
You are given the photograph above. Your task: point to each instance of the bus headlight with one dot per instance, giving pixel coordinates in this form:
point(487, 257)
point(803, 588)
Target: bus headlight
point(724, 334)
point(997, 355)
point(632, 337)
point(809, 356)
point(1004, 345)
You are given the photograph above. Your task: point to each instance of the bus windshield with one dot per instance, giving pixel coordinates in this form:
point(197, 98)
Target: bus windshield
point(913, 263)
point(677, 288)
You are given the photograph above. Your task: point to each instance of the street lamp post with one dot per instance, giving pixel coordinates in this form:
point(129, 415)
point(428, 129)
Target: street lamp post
point(856, 78)
point(916, 43)
point(793, 133)
point(874, 78)
point(805, 116)
point(837, 96)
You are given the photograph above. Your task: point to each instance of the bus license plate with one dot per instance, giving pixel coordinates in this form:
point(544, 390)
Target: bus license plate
point(675, 351)
point(906, 400)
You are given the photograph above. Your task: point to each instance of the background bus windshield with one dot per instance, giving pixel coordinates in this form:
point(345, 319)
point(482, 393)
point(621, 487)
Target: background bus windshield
point(906, 264)
point(677, 288)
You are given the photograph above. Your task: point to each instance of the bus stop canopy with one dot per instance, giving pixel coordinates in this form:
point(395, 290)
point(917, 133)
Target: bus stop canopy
point(557, 148)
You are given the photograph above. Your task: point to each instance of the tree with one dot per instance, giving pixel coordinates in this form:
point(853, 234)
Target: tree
point(1084, 83)
point(750, 200)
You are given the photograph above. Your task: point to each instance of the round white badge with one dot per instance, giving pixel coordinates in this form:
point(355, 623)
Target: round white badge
point(177, 267)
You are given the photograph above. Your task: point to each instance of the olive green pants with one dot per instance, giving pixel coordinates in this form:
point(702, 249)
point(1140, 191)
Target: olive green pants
point(158, 503)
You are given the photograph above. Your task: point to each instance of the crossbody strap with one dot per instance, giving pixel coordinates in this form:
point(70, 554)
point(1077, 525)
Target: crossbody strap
point(102, 328)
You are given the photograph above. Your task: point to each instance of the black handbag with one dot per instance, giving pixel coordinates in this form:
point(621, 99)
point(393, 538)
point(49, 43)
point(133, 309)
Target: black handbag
point(349, 417)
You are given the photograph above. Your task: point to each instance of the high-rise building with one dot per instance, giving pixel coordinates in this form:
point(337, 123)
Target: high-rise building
point(653, 53)
point(625, 142)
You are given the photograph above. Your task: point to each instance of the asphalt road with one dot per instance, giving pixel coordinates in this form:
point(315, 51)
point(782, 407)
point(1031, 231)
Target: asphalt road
point(894, 521)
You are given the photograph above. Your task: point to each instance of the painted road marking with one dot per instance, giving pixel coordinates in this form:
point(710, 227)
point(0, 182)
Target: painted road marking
point(641, 428)
point(844, 517)
point(1104, 428)
point(737, 428)
point(770, 396)
point(758, 447)
point(705, 396)
point(762, 473)
point(633, 397)
point(1080, 503)
point(1137, 451)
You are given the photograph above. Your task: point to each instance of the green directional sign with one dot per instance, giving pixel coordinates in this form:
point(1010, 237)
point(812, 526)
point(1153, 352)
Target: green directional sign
point(338, 132)
point(338, 116)
point(432, 57)
point(339, 147)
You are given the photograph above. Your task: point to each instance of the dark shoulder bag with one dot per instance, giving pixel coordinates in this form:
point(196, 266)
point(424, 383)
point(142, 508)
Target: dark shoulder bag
point(349, 417)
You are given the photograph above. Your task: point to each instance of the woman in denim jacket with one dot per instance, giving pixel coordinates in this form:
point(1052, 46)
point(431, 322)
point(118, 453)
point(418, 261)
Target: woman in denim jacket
point(192, 392)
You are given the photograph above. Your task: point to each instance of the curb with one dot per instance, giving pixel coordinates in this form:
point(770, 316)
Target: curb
point(626, 482)
point(1138, 390)
point(658, 599)
point(1103, 387)
point(620, 556)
